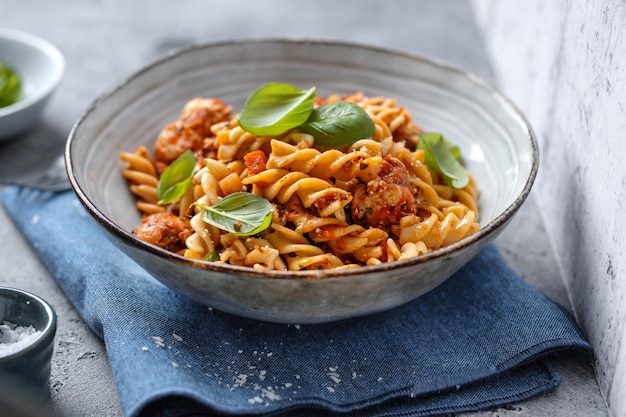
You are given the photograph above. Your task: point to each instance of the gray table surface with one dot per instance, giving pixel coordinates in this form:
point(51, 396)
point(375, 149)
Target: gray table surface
point(104, 41)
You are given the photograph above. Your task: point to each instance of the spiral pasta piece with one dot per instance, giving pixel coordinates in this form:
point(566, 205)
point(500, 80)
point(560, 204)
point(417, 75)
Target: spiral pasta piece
point(435, 232)
point(390, 120)
point(280, 185)
point(204, 240)
point(303, 220)
point(327, 165)
point(143, 180)
point(298, 251)
point(234, 142)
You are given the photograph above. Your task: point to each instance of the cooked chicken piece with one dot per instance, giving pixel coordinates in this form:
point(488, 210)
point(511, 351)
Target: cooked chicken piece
point(165, 230)
point(190, 129)
point(383, 201)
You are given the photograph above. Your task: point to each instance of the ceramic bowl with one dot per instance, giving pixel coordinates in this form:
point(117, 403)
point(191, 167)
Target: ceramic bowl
point(498, 145)
point(25, 367)
point(40, 67)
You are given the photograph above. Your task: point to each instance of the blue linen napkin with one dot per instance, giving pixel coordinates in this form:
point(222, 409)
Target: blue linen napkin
point(481, 339)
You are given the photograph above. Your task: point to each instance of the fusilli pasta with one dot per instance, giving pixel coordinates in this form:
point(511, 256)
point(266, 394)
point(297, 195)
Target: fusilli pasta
point(370, 202)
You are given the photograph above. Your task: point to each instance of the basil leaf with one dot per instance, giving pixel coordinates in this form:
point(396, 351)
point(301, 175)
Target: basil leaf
point(275, 108)
point(241, 213)
point(456, 152)
point(440, 156)
point(212, 257)
point(338, 124)
point(176, 178)
point(10, 86)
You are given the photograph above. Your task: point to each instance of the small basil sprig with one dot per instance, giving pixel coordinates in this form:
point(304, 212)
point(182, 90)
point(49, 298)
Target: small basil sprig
point(338, 124)
point(10, 86)
point(442, 156)
point(241, 213)
point(275, 108)
point(176, 178)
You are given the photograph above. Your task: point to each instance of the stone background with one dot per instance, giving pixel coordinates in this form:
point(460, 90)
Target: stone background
point(564, 63)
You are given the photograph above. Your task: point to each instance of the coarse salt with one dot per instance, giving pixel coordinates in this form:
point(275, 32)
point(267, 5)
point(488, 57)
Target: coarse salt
point(335, 377)
point(270, 394)
point(241, 379)
point(14, 338)
point(158, 341)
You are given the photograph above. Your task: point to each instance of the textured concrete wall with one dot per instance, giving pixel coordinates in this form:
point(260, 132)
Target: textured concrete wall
point(564, 63)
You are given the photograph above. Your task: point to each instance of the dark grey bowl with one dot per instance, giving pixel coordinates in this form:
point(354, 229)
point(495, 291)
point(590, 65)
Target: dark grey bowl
point(27, 371)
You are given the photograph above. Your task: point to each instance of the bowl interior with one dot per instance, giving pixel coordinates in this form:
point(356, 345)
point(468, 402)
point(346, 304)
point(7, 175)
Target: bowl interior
point(39, 64)
point(495, 140)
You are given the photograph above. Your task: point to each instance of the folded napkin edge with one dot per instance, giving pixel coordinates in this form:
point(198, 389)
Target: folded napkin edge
point(545, 349)
point(189, 402)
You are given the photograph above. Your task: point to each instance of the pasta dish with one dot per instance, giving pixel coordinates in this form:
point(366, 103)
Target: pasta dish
point(375, 199)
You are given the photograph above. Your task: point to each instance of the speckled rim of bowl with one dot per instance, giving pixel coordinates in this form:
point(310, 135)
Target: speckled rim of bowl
point(48, 49)
point(484, 232)
point(46, 333)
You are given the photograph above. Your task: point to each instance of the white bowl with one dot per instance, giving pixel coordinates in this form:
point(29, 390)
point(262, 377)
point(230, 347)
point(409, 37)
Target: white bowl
point(498, 145)
point(40, 66)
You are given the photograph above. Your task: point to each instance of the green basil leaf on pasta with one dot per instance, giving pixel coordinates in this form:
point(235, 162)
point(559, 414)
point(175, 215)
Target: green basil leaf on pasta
point(338, 124)
point(275, 108)
point(10, 86)
point(442, 156)
point(455, 150)
point(241, 213)
point(212, 256)
point(176, 178)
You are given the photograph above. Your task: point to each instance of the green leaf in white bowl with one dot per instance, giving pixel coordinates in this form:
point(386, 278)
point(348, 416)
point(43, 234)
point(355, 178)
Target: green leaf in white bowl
point(442, 156)
point(10, 86)
point(241, 213)
point(275, 108)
